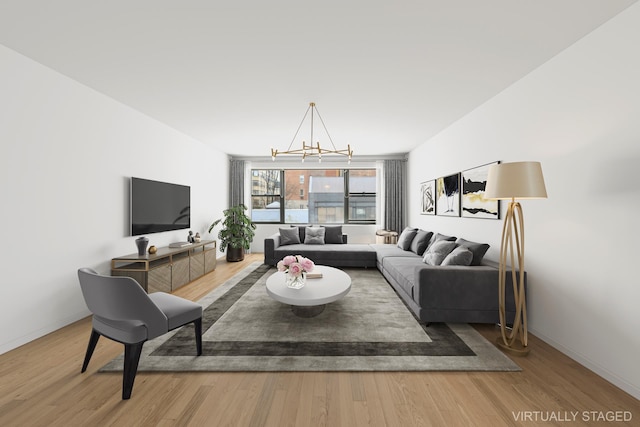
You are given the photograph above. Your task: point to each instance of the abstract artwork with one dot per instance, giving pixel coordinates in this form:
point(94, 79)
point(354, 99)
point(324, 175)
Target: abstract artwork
point(474, 203)
point(428, 197)
point(448, 195)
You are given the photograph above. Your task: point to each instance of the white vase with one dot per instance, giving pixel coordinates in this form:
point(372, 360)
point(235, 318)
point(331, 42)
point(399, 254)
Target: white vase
point(295, 282)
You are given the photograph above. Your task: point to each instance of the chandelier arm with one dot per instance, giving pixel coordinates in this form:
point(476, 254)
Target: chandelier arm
point(299, 126)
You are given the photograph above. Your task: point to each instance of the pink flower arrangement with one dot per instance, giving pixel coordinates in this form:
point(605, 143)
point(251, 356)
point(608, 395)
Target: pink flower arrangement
point(295, 265)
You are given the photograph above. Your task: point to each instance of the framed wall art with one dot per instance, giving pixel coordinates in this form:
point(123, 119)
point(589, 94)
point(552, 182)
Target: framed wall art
point(474, 203)
point(448, 195)
point(428, 197)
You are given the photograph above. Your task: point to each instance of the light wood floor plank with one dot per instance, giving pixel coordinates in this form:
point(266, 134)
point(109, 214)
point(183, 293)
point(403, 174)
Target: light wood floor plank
point(41, 385)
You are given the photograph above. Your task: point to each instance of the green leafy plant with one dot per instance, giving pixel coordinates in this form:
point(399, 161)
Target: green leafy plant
point(237, 228)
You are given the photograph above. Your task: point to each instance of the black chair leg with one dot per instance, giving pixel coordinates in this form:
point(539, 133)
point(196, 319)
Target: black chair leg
point(198, 326)
point(93, 341)
point(131, 358)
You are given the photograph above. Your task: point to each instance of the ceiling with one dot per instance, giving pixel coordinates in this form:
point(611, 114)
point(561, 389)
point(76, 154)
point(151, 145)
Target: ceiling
point(386, 76)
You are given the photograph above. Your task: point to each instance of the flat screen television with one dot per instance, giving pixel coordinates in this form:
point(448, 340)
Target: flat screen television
point(159, 206)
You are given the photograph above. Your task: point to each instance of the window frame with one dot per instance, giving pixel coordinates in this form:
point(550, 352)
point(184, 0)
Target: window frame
point(346, 194)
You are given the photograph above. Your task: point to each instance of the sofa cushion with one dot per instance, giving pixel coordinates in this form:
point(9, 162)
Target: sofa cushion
point(350, 255)
point(477, 249)
point(401, 270)
point(314, 236)
point(289, 236)
point(459, 256)
point(406, 237)
point(437, 252)
point(383, 251)
point(333, 234)
point(420, 242)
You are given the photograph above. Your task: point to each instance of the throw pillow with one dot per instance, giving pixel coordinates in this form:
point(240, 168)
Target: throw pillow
point(289, 236)
point(333, 234)
point(437, 237)
point(406, 237)
point(302, 229)
point(477, 249)
point(420, 242)
point(437, 252)
point(314, 236)
point(459, 256)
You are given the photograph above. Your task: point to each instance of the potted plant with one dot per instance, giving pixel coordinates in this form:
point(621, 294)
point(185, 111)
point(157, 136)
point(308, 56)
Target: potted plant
point(237, 232)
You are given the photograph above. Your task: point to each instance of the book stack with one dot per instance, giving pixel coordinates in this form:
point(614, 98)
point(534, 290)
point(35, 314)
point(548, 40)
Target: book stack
point(314, 275)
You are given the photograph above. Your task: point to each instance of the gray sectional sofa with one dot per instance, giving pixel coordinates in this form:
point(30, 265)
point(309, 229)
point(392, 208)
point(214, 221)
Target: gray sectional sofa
point(446, 292)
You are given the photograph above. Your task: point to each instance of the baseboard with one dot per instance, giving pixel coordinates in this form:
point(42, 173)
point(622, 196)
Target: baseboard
point(614, 379)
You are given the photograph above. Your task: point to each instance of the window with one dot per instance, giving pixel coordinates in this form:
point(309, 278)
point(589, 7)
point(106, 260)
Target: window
point(265, 195)
point(316, 196)
point(362, 195)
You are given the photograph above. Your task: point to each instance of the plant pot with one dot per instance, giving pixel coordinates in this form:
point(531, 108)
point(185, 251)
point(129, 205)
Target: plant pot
point(235, 254)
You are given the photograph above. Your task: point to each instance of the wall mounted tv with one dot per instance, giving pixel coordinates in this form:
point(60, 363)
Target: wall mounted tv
point(159, 206)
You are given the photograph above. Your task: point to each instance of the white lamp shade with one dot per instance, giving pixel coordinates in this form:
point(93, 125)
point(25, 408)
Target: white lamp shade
point(518, 180)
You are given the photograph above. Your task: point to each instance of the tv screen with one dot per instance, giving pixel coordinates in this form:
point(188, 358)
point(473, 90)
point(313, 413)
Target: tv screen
point(159, 206)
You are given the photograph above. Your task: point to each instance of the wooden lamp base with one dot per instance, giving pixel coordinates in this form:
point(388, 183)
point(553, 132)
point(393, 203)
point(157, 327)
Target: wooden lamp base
point(512, 245)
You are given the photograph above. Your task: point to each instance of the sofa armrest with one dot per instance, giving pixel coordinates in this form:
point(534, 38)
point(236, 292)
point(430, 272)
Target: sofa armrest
point(270, 245)
point(442, 287)
point(436, 285)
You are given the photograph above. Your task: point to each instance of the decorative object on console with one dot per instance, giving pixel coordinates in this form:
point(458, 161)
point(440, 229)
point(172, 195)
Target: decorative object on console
point(141, 243)
point(312, 149)
point(428, 197)
point(448, 195)
point(152, 249)
point(511, 181)
point(237, 232)
point(475, 204)
point(296, 268)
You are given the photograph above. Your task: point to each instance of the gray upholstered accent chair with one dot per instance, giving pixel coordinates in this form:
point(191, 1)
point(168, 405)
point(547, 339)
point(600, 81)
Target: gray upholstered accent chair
point(123, 312)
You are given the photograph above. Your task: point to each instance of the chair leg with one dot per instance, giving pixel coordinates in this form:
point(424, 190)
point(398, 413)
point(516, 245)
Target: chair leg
point(93, 341)
point(198, 326)
point(131, 358)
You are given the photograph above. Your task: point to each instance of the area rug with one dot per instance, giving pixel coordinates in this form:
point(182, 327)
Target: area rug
point(370, 329)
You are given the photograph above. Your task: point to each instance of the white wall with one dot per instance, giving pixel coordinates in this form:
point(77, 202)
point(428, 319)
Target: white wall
point(67, 155)
point(579, 114)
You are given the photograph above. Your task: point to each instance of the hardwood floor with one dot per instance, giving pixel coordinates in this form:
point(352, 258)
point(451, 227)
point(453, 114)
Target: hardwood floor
point(41, 385)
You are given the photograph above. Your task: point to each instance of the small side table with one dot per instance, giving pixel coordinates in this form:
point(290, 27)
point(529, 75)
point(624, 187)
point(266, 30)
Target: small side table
point(387, 237)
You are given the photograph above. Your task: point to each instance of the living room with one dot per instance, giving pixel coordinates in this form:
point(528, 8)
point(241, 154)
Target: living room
point(69, 151)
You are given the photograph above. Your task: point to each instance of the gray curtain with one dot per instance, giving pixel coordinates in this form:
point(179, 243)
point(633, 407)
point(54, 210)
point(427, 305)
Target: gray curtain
point(395, 190)
point(236, 182)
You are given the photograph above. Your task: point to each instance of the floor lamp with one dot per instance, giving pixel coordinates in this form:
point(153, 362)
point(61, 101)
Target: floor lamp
point(511, 181)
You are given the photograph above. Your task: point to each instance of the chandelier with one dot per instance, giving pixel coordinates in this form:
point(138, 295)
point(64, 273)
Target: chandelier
point(311, 150)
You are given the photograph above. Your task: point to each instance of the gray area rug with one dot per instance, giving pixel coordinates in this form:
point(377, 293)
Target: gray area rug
point(370, 329)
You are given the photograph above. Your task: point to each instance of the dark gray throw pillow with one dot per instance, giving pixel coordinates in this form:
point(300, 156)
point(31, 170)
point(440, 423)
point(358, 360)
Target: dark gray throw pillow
point(420, 242)
point(314, 236)
point(333, 234)
point(289, 236)
point(477, 249)
point(406, 237)
point(437, 252)
point(459, 256)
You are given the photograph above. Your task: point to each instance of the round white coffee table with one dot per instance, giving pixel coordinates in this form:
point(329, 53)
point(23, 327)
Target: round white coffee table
point(310, 300)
